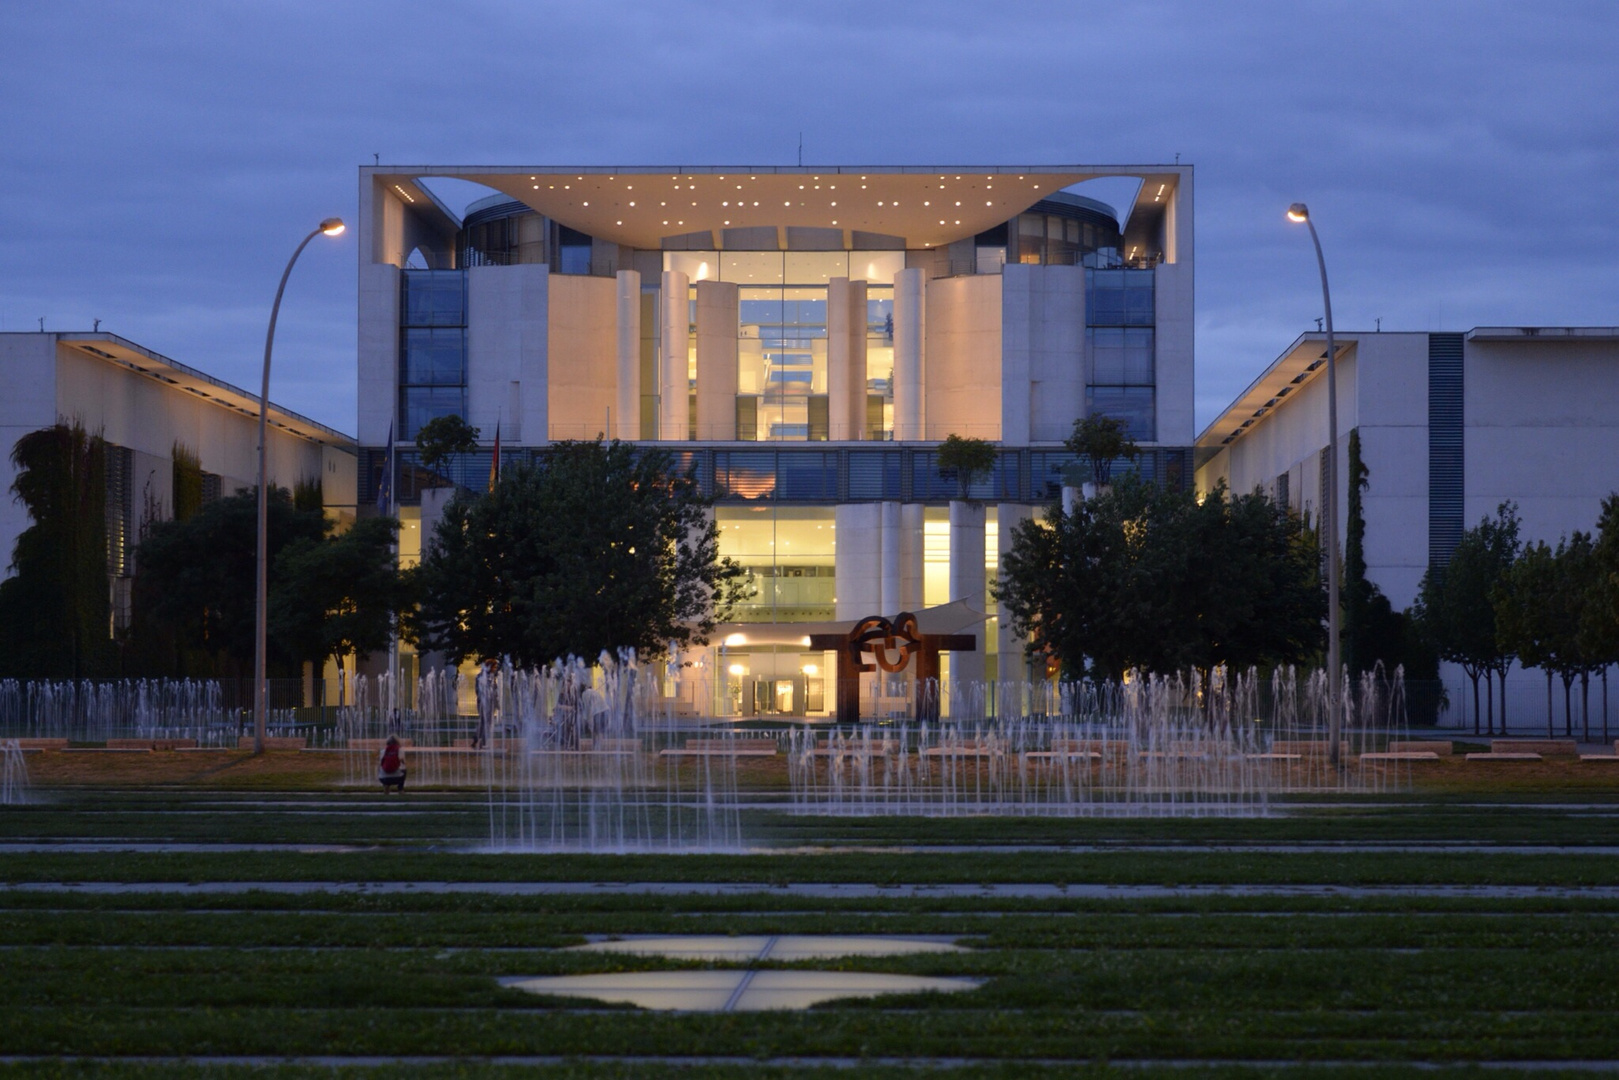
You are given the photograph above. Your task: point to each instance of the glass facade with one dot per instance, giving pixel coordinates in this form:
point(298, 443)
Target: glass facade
point(788, 553)
point(432, 347)
point(1120, 379)
point(781, 335)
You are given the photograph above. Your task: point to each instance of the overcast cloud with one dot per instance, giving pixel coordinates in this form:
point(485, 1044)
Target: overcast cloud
point(161, 160)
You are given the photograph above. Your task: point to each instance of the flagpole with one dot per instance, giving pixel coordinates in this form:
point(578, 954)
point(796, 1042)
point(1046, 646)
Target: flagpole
point(393, 512)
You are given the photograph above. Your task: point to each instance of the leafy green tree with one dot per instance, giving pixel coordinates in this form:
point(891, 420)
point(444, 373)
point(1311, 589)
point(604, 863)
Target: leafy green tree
point(187, 481)
point(194, 579)
point(595, 547)
point(442, 439)
point(337, 595)
point(1373, 632)
point(1456, 609)
point(1147, 578)
point(1602, 611)
point(965, 460)
point(1528, 620)
point(1102, 440)
point(55, 617)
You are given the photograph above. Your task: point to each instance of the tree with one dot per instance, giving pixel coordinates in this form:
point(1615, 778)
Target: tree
point(186, 481)
point(1455, 603)
point(442, 439)
point(55, 615)
point(595, 547)
point(1146, 578)
point(337, 595)
point(965, 459)
point(1373, 632)
point(1527, 617)
point(1102, 440)
point(194, 578)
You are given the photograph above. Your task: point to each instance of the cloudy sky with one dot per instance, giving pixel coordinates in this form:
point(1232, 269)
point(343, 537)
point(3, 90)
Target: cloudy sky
point(160, 160)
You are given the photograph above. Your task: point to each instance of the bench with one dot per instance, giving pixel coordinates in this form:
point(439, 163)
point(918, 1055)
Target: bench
point(855, 747)
point(1079, 749)
point(967, 748)
point(1307, 747)
point(1503, 756)
point(1436, 747)
point(611, 746)
point(39, 744)
point(378, 744)
point(1603, 757)
point(1543, 747)
point(1403, 755)
point(724, 748)
point(151, 744)
point(274, 742)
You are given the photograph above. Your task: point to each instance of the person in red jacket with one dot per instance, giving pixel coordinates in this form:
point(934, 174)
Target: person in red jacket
point(391, 766)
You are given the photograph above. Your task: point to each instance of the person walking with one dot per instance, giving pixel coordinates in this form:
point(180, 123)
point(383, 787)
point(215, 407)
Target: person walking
point(487, 686)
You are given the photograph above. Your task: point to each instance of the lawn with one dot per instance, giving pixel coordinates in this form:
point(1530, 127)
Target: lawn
point(1211, 949)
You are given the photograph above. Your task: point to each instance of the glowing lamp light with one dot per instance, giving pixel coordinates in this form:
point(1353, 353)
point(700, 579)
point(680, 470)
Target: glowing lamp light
point(737, 669)
point(737, 639)
point(812, 669)
point(1298, 212)
point(332, 226)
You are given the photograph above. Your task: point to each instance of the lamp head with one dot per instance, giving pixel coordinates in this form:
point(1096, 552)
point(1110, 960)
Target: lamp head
point(1298, 212)
point(332, 226)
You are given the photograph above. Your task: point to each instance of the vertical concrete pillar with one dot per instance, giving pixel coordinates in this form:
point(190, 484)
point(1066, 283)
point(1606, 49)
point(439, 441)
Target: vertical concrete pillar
point(910, 335)
point(1021, 312)
point(912, 530)
point(967, 582)
point(846, 359)
point(627, 391)
point(893, 560)
point(674, 383)
point(857, 560)
point(1013, 665)
point(718, 309)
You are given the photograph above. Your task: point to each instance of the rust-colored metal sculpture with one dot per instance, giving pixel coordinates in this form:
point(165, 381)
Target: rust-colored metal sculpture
point(893, 644)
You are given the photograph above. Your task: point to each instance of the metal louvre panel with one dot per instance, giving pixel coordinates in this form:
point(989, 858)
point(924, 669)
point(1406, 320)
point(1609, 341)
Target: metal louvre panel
point(1446, 461)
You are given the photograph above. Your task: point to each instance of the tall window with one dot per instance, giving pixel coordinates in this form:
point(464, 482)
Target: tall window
point(1119, 316)
point(432, 347)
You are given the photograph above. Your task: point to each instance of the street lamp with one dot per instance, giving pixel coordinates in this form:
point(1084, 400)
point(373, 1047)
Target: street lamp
point(329, 227)
point(1298, 212)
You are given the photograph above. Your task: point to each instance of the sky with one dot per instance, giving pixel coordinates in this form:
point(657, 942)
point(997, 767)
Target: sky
point(160, 161)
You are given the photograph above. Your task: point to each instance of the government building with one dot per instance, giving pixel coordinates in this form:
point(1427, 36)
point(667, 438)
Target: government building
point(804, 338)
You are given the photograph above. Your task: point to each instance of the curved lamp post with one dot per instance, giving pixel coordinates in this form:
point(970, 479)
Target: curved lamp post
point(329, 227)
point(1329, 518)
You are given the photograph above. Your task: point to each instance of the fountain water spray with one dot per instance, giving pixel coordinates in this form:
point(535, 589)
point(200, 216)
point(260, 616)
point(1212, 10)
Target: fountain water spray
point(13, 774)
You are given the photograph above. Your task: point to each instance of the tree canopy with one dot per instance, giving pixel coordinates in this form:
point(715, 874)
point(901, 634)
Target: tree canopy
point(55, 615)
point(195, 578)
point(1455, 602)
point(337, 595)
point(1146, 578)
point(596, 546)
point(442, 439)
point(965, 460)
point(1102, 440)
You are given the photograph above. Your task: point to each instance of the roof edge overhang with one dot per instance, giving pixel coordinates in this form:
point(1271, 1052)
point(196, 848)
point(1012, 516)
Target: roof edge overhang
point(112, 349)
point(641, 206)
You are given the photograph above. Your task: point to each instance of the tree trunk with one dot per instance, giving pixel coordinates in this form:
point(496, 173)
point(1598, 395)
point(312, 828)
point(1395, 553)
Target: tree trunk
point(1568, 708)
point(1549, 732)
point(1489, 701)
point(1585, 704)
point(1604, 703)
point(1503, 701)
point(1474, 677)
